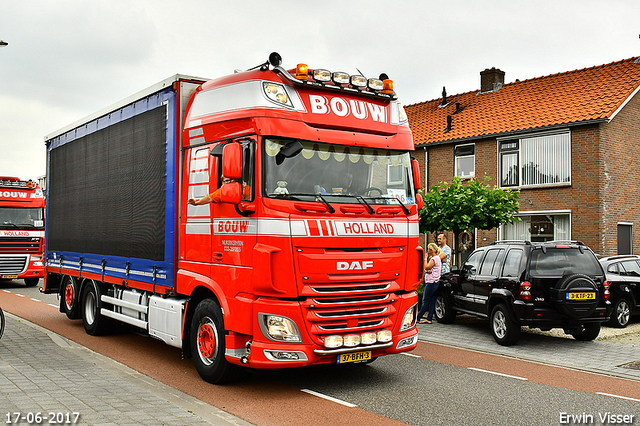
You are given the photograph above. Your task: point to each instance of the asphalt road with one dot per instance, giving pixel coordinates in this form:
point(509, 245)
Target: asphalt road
point(434, 385)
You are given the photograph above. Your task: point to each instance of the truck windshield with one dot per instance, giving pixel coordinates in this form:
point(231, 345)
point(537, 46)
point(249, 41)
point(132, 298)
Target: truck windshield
point(21, 217)
point(337, 174)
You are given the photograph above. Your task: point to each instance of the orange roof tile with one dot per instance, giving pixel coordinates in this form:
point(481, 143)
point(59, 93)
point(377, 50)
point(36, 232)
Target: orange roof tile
point(578, 96)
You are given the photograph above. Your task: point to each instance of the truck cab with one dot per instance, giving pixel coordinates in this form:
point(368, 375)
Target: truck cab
point(21, 230)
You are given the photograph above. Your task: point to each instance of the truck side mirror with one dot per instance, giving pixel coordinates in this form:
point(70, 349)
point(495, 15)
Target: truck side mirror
point(232, 161)
point(231, 193)
point(415, 168)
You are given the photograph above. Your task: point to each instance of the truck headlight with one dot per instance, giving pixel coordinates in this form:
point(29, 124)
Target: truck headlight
point(276, 93)
point(278, 328)
point(409, 318)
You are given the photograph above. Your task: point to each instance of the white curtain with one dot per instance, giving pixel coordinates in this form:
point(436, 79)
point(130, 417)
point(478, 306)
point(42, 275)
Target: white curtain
point(546, 159)
point(561, 227)
point(519, 230)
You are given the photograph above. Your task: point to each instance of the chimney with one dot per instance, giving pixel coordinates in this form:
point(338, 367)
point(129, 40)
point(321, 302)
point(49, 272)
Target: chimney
point(491, 80)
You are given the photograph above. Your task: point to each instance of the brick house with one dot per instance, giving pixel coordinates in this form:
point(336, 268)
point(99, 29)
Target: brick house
point(569, 141)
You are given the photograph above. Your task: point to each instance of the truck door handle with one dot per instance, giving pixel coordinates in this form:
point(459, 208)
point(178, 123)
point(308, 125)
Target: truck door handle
point(217, 256)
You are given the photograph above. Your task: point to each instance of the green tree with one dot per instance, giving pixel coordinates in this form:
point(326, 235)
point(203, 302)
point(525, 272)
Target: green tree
point(464, 206)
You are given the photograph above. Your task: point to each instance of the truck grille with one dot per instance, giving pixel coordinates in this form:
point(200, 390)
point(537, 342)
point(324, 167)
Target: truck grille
point(13, 264)
point(20, 245)
point(337, 310)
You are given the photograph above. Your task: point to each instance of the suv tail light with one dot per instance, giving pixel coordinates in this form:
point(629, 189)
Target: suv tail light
point(525, 290)
point(607, 293)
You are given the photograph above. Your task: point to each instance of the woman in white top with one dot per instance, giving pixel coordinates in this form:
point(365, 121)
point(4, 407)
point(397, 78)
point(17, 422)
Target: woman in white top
point(432, 268)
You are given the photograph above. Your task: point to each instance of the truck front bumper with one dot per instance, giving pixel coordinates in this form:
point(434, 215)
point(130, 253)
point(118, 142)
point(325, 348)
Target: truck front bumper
point(283, 355)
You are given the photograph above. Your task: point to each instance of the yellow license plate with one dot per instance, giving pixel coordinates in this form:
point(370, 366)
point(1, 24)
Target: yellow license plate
point(8, 277)
point(581, 296)
point(354, 357)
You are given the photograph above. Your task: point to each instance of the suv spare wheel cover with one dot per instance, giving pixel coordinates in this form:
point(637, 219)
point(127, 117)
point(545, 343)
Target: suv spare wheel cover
point(578, 284)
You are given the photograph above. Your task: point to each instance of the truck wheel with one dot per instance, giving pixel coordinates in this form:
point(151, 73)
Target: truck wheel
point(587, 332)
point(94, 323)
point(505, 330)
point(208, 344)
point(31, 282)
point(444, 312)
point(70, 299)
point(620, 314)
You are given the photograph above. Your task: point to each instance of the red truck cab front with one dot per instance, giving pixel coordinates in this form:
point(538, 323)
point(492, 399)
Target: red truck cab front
point(21, 230)
point(313, 254)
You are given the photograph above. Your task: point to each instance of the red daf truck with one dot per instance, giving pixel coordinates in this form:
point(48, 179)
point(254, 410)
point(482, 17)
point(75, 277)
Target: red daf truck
point(310, 257)
point(21, 230)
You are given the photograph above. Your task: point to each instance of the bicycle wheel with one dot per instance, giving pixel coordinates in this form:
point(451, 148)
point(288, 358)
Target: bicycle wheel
point(1, 323)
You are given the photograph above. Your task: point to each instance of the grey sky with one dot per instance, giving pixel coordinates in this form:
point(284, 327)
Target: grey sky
point(67, 59)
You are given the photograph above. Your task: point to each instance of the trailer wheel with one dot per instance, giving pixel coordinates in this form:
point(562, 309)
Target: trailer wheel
point(208, 345)
point(94, 322)
point(70, 301)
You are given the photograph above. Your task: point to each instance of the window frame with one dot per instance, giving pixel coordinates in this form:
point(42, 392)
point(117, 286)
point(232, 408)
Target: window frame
point(461, 152)
point(526, 215)
point(505, 149)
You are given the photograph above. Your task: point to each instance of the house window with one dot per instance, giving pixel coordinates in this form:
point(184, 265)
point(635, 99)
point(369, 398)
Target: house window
point(465, 160)
point(625, 242)
point(395, 174)
point(534, 161)
point(539, 228)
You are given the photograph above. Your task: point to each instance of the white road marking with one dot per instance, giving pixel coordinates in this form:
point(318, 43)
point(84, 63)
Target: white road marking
point(618, 396)
point(327, 397)
point(413, 355)
point(498, 374)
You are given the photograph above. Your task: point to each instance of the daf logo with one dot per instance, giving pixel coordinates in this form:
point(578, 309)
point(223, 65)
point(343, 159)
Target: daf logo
point(355, 265)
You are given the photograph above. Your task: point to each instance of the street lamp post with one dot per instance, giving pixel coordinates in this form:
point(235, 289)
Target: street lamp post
point(3, 43)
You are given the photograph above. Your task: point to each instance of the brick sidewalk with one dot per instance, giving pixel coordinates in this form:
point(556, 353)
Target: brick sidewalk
point(42, 372)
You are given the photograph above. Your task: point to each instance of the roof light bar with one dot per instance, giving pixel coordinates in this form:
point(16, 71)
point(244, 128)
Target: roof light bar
point(358, 81)
point(375, 84)
point(339, 77)
point(322, 75)
point(381, 87)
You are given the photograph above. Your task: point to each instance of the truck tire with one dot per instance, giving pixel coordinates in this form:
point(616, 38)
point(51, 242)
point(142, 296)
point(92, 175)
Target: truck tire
point(70, 301)
point(587, 332)
point(31, 282)
point(444, 311)
point(620, 314)
point(504, 329)
point(208, 344)
point(94, 322)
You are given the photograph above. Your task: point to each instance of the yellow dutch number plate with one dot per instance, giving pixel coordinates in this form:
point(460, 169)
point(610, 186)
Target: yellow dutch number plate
point(581, 296)
point(354, 357)
point(8, 277)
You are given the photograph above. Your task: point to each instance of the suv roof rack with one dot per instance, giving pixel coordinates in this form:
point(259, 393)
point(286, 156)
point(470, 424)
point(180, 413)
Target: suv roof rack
point(576, 242)
point(525, 242)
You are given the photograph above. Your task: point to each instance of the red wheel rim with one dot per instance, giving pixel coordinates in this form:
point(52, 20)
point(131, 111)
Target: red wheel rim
point(68, 295)
point(206, 341)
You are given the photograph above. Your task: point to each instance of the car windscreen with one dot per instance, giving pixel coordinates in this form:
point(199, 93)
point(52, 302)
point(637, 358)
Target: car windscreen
point(561, 261)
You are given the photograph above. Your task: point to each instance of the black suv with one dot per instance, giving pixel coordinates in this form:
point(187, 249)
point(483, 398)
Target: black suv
point(556, 284)
point(623, 272)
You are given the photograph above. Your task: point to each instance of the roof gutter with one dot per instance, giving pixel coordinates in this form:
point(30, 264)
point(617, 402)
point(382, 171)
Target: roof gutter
point(515, 132)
